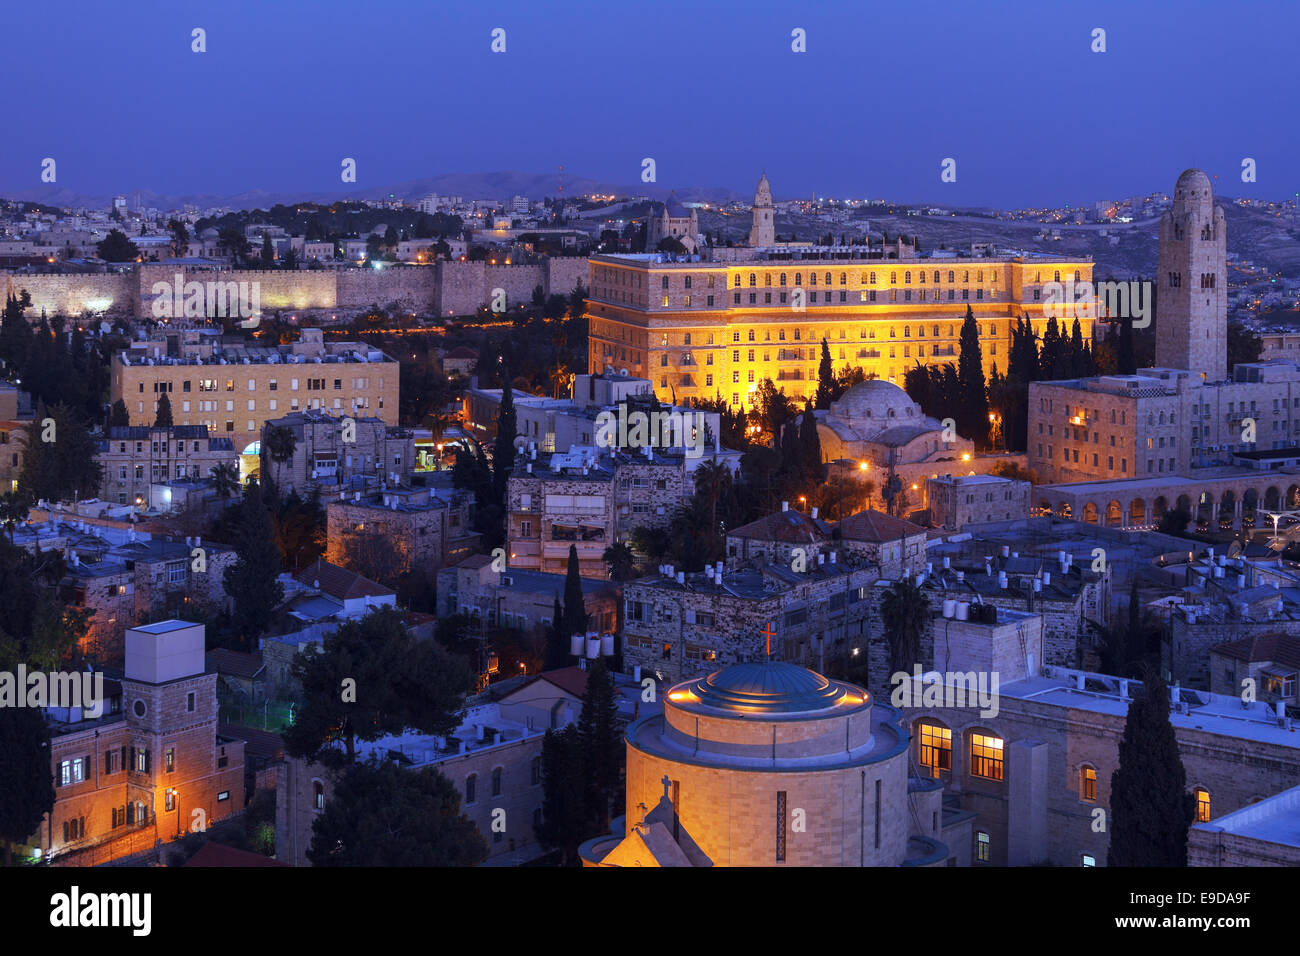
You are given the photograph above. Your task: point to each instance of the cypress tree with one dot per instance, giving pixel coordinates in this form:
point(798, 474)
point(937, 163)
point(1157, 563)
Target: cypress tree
point(251, 580)
point(557, 642)
point(163, 419)
point(1127, 361)
point(564, 794)
point(503, 452)
point(971, 410)
point(118, 416)
point(575, 609)
point(825, 378)
point(601, 750)
point(1151, 809)
point(1078, 361)
point(810, 447)
point(1049, 354)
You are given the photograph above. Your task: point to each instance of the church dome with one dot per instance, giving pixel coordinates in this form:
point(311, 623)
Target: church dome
point(877, 400)
point(1194, 184)
point(767, 687)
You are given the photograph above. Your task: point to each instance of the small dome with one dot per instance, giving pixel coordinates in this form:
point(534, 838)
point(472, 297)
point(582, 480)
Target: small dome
point(874, 399)
point(1194, 184)
point(767, 687)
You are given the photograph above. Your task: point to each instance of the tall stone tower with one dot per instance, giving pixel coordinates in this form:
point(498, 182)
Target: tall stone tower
point(1191, 293)
point(763, 231)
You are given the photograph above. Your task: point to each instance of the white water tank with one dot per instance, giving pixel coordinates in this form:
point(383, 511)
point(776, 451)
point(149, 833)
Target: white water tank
point(607, 645)
point(593, 646)
point(949, 607)
point(576, 645)
point(963, 610)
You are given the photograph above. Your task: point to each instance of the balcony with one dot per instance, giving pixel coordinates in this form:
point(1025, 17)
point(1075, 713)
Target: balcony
point(789, 355)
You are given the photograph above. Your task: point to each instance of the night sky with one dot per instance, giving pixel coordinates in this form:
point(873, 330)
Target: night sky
point(710, 90)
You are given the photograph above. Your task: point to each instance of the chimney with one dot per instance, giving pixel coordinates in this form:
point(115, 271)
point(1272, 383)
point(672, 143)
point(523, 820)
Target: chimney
point(785, 506)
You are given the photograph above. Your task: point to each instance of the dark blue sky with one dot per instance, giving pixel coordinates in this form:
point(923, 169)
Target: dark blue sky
point(711, 90)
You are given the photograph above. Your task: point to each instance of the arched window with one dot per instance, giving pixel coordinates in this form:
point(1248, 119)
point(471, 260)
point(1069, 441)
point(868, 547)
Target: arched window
point(798, 278)
point(812, 278)
point(767, 278)
point(471, 788)
point(496, 782)
point(936, 275)
point(687, 339)
point(893, 278)
point(935, 742)
point(979, 276)
point(935, 331)
point(753, 280)
point(952, 276)
point(965, 275)
point(921, 276)
point(828, 278)
point(844, 278)
point(1077, 276)
point(1088, 783)
point(1202, 804)
point(782, 278)
point(737, 282)
point(907, 277)
point(986, 756)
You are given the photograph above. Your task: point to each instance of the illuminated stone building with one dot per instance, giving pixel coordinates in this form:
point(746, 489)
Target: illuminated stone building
point(770, 764)
point(152, 767)
point(723, 321)
point(235, 389)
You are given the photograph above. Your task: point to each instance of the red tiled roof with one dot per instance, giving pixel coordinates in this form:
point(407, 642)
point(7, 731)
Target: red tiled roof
point(571, 680)
point(235, 663)
point(257, 743)
point(1282, 649)
point(339, 582)
point(220, 855)
point(792, 527)
point(462, 352)
point(874, 525)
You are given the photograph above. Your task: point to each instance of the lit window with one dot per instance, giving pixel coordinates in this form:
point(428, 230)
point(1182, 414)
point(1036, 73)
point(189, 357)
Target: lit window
point(982, 847)
point(1202, 805)
point(1088, 784)
point(986, 757)
point(1089, 860)
point(936, 748)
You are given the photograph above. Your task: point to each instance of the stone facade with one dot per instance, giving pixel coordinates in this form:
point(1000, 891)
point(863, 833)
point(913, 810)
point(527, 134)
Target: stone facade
point(383, 535)
point(1035, 813)
point(699, 328)
point(136, 457)
point(955, 502)
point(234, 391)
point(520, 598)
point(323, 461)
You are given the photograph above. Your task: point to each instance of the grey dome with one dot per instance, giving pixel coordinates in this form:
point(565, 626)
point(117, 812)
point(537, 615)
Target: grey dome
point(767, 687)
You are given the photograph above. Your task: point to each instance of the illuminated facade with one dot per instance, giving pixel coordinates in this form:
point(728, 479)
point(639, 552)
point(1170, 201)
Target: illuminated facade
point(698, 329)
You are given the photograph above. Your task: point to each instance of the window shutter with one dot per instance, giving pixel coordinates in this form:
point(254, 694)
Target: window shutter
point(108, 762)
point(148, 762)
point(131, 764)
point(65, 831)
point(89, 765)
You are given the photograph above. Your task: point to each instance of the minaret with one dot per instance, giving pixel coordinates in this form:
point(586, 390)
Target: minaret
point(1191, 280)
point(763, 231)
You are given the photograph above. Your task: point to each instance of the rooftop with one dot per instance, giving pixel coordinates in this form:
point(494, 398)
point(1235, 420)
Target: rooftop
point(1272, 820)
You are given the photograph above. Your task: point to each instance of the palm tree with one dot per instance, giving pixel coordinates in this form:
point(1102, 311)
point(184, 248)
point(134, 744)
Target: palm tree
point(225, 479)
point(712, 479)
point(904, 612)
point(621, 561)
point(280, 445)
point(13, 509)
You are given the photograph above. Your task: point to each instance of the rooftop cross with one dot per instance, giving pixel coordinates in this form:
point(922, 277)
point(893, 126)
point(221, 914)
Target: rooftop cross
point(768, 633)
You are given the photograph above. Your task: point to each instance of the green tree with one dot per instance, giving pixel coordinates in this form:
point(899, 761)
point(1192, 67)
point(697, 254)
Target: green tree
point(180, 238)
point(63, 467)
point(381, 814)
point(1174, 521)
point(116, 247)
point(972, 410)
point(26, 779)
point(118, 416)
point(281, 443)
point(825, 379)
point(251, 582)
point(225, 480)
point(1243, 345)
point(621, 561)
point(371, 678)
point(556, 653)
point(14, 508)
point(602, 746)
point(503, 451)
point(810, 448)
point(566, 822)
point(268, 252)
point(163, 418)
point(1150, 808)
point(905, 612)
point(575, 608)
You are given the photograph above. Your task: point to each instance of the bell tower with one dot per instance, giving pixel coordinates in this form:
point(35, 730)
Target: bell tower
point(1191, 292)
point(763, 231)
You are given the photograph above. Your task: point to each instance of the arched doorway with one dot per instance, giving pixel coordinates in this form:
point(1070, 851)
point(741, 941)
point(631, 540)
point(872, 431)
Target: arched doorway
point(1090, 513)
point(1227, 509)
point(1114, 514)
point(1271, 498)
point(1159, 507)
point(1137, 512)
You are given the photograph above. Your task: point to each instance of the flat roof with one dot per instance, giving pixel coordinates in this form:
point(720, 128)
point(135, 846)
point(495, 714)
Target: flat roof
point(1275, 819)
point(165, 627)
